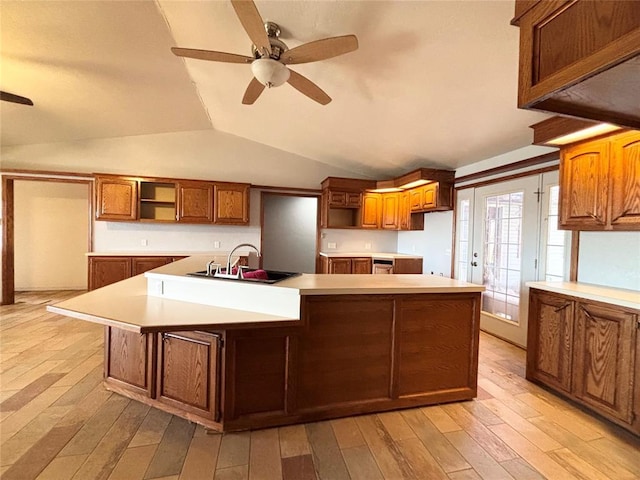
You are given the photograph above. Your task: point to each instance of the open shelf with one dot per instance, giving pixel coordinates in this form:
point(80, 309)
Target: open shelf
point(157, 201)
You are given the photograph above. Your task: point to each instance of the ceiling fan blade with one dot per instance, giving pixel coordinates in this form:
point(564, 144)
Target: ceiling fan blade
point(211, 55)
point(10, 97)
point(253, 91)
point(320, 50)
point(308, 88)
point(253, 24)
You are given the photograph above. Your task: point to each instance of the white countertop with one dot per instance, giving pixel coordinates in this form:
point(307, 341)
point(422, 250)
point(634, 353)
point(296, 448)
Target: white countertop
point(381, 255)
point(615, 296)
point(128, 305)
point(326, 284)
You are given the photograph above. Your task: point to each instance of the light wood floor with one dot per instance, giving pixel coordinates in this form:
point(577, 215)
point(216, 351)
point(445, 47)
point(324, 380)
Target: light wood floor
point(58, 422)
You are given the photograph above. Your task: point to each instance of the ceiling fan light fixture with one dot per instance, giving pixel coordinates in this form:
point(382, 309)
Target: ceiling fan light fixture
point(269, 72)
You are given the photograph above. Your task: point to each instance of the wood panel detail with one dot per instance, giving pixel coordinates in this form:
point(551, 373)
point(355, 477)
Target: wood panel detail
point(144, 264)
point(128, 357)
point(188, 365)
point(437, 344)
point(107, 270)
point(330, 370)
point(195, 202)
point(231, 203)
point(116, 198)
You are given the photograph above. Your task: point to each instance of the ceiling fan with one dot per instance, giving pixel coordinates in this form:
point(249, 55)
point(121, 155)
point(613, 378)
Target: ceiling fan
point(271, 56)
point(10, 97)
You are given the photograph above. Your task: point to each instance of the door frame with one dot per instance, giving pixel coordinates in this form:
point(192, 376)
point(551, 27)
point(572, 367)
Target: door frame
point(8, 222)
point(300, 195)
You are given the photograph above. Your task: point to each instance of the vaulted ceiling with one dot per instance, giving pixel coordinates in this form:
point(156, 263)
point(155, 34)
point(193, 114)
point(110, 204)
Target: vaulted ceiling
point(434, 83)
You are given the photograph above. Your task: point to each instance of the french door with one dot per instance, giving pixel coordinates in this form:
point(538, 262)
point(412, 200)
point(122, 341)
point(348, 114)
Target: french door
point(505, 234)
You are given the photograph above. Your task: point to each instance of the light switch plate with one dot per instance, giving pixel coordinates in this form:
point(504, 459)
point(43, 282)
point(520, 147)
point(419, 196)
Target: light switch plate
point(331, 245)
point(216, 244)
point(367, 246)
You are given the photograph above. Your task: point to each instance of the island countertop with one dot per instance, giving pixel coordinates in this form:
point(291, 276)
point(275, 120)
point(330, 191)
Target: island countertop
point(165, 299)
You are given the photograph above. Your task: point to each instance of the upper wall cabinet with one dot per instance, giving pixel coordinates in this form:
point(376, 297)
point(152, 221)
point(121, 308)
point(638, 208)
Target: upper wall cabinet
point(600, 184)
point(170, 200)
point(580, 58)
point(195, 202)
point(231, 203)
point(116, 198)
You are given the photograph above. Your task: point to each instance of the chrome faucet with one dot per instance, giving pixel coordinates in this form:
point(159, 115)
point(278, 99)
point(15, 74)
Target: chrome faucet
point(228, 273)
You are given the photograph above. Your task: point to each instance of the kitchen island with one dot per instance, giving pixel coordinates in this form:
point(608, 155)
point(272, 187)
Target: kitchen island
point(235, 355)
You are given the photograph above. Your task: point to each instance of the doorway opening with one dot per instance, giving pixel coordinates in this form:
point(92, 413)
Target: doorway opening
point(289, 232)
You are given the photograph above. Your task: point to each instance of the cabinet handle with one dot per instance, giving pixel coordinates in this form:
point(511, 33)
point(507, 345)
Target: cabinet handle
point(621, 215)
point(562, 307)
point(596, 218)
point(586, 313)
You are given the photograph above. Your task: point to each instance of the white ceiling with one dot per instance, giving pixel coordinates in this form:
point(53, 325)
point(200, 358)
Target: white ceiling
point(433, 84)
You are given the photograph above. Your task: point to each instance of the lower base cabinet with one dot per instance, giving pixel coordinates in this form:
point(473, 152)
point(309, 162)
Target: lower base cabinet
point(351, 354)
point(189, 372)
point(588, 351)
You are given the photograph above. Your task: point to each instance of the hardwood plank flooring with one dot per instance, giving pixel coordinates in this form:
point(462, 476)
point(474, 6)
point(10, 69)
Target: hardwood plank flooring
point(57, 422)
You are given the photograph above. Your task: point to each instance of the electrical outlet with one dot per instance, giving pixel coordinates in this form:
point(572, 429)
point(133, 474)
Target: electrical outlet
point(144, 242)
point(216, 244)
point(367, 246)
point(332, 245)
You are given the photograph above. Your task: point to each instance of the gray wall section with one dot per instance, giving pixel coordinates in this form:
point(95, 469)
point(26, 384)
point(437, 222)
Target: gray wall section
point(611, 259)
point(289, 233)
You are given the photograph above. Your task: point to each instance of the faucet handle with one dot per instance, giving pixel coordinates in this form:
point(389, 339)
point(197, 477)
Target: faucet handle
point(213, 267)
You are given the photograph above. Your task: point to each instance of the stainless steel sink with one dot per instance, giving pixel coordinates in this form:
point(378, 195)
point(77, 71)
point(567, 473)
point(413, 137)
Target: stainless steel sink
point(273, 276)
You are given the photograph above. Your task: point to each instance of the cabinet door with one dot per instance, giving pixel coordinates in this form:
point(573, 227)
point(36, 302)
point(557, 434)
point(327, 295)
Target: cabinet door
point(116, 198)
point(107, 270)
point(584, 186)
point(625, 181)
point(144, 264)
point(188, 372)
point(416, 199)
point(195, 202)
point(430, 196)
point(129, 360)
point(340, 265)
point(337, 199)
point(603, 359)
point(390, 211)
point(231, 203)
point(371, 210)
point(550, 340)
point(407, 265)
point(354, 199)
point(404, 211)
point(361, 265)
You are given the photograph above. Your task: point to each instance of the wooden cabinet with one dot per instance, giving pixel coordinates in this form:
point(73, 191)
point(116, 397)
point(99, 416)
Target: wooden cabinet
point(407, 265)
point(129, 361)
point(345, 199)
point(231, 204)
point(189, 372)
point(144, 264)
point(550, 345)
point(580, 58)
point(116, 198)
point(346, 265)
point(195, 202)
point(371, 208)
point(603, 360)
point(390, 211)
point(600, 184)
point(585, 350)
point(431, 197)
point(107, 270)
point(170, 200)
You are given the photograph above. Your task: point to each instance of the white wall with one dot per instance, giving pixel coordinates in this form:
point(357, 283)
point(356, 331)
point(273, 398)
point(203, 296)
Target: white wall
point(433, 243)
point(611, 259)
point(51, 235)
point(356, 240)
point(205, 154)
